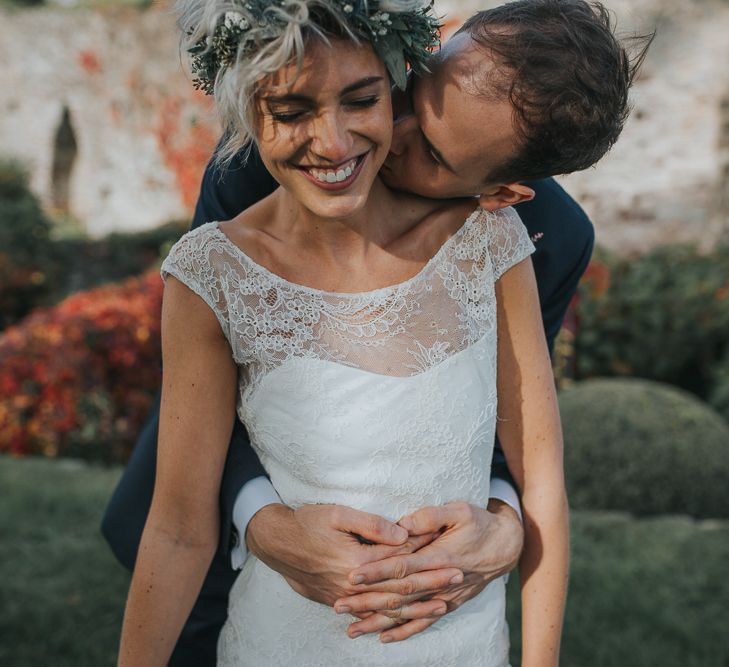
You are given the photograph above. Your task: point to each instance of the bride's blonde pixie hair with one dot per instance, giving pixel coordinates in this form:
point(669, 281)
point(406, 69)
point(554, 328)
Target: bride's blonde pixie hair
point(235, 46)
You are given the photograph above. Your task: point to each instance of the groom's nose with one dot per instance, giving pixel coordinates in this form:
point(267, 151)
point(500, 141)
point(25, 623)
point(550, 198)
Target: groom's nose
point(403, 133)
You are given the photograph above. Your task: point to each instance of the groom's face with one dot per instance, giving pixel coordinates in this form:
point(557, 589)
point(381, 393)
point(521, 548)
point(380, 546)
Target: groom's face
point(451, 129)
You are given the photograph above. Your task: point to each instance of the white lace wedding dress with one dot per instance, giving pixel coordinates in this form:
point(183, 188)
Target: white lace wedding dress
point(384, 401)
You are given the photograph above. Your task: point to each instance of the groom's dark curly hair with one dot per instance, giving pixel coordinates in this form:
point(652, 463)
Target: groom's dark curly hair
point(567, 76)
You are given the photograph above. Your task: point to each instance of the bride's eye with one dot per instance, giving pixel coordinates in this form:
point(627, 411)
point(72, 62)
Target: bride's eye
point(363, 102)
point(286, 116)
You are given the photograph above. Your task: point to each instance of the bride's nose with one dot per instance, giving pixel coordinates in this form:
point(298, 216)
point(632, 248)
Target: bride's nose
point(330, 138)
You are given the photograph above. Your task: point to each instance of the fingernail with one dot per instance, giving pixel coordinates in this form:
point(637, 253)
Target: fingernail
point(358, 579)
point(386, 639)
point(343, 609)
point(401, 533)
point(457, 579)
point(440, 611)
point(354, 635)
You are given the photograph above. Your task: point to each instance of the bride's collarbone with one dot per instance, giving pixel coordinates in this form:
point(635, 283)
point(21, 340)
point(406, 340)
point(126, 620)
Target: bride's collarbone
point(436, 225)
point(429, 225)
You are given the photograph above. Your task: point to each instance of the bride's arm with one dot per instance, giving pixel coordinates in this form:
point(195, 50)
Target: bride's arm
point(181, 533)
point(529, 430)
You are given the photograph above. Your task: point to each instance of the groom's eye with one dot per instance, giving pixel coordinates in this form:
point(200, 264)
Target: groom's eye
point(430, 152)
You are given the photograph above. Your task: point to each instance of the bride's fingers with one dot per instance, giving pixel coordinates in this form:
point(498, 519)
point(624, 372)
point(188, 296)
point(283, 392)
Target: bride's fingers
point(400, 632)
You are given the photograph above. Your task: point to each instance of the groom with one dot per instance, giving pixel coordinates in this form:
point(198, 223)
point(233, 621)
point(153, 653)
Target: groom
point(522, 92)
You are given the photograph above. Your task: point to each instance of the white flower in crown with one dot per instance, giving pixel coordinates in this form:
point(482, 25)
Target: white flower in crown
point(348, 9)
point(235, 20)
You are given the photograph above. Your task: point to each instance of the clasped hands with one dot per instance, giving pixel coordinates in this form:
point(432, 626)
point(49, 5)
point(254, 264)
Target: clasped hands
point(396, 578)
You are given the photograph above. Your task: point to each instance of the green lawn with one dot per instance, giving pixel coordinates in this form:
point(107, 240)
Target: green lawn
point(644, 593)
point(61, 591)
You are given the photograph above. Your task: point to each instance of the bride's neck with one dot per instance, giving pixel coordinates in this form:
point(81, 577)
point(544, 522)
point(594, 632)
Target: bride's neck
point(374, 223)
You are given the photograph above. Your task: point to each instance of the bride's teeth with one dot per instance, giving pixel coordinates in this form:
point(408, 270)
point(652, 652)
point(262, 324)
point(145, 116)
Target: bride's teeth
point(335, 177)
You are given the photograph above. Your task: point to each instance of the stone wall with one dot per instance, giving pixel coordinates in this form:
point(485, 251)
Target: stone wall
point(97, 105)
point(135, 137)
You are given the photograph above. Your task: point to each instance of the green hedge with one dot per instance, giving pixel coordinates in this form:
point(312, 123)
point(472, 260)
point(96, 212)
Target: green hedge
point(663, 316)
point(26, 249)
point(644, 447)
point(84, 263)
point(37, 269)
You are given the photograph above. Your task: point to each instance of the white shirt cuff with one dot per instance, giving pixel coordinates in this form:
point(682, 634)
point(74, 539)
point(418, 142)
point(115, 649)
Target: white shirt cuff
point(255, 495)
point(505, 492)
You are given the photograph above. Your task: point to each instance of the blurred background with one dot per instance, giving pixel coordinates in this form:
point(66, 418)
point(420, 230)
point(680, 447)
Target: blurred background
point(102, 145)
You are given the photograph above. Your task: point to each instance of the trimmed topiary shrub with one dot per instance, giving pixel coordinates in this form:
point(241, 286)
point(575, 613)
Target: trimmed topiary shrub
point(719, 397)
point(644, 447)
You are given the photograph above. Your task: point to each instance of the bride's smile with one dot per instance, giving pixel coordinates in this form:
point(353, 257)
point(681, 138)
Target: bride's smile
point(325, 129)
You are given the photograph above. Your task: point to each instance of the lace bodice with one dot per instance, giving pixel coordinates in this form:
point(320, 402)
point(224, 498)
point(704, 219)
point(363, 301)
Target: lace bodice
point(384, 401)
point(399, 330)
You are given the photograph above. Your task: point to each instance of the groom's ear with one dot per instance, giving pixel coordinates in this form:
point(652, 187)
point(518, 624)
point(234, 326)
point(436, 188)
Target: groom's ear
point(501, 196)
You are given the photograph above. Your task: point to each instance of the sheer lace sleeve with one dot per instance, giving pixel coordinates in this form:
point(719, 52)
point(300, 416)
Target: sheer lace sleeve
point(195, 261)
point(508, 240)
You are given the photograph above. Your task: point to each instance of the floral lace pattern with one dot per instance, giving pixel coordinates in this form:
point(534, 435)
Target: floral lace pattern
point(384, 401)
point(399, 330)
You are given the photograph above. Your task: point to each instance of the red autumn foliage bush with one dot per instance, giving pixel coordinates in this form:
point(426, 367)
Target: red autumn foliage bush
point(79, 379)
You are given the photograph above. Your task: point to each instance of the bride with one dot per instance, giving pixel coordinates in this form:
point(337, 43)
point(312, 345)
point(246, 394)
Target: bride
point(357, 331)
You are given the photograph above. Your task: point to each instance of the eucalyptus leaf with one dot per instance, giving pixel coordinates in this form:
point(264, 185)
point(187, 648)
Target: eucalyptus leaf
point(395, 63)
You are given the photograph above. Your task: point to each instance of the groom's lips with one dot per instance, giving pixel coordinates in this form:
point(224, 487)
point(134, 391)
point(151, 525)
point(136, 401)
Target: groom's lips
point(356, 163)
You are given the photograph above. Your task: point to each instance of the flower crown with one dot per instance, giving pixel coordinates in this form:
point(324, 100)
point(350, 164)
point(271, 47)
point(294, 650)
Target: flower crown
point(399, 38)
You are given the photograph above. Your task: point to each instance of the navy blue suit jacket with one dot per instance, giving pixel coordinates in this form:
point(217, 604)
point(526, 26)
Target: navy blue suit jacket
point(563, 238)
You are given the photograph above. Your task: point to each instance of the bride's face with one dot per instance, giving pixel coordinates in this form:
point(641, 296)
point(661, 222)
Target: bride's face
point(324, 133)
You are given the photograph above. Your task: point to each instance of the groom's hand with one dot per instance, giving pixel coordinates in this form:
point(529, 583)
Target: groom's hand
point(315, 547)
point(483, 544)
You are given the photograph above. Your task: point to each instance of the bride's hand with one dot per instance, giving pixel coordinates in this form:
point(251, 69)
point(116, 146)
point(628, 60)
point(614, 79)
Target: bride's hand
point(315, 547)
point(483, 544)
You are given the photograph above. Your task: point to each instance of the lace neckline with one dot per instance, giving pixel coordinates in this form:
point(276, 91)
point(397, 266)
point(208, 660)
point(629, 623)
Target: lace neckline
point(403, 285)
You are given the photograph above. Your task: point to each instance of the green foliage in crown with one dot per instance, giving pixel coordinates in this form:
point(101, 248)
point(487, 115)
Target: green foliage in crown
point(399, 38)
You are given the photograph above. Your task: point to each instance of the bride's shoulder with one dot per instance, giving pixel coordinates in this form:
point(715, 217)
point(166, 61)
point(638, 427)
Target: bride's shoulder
point(440, 220)
point(252, 233)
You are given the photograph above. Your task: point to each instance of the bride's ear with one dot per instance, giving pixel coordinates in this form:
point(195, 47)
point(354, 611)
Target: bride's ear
point(501, 196)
